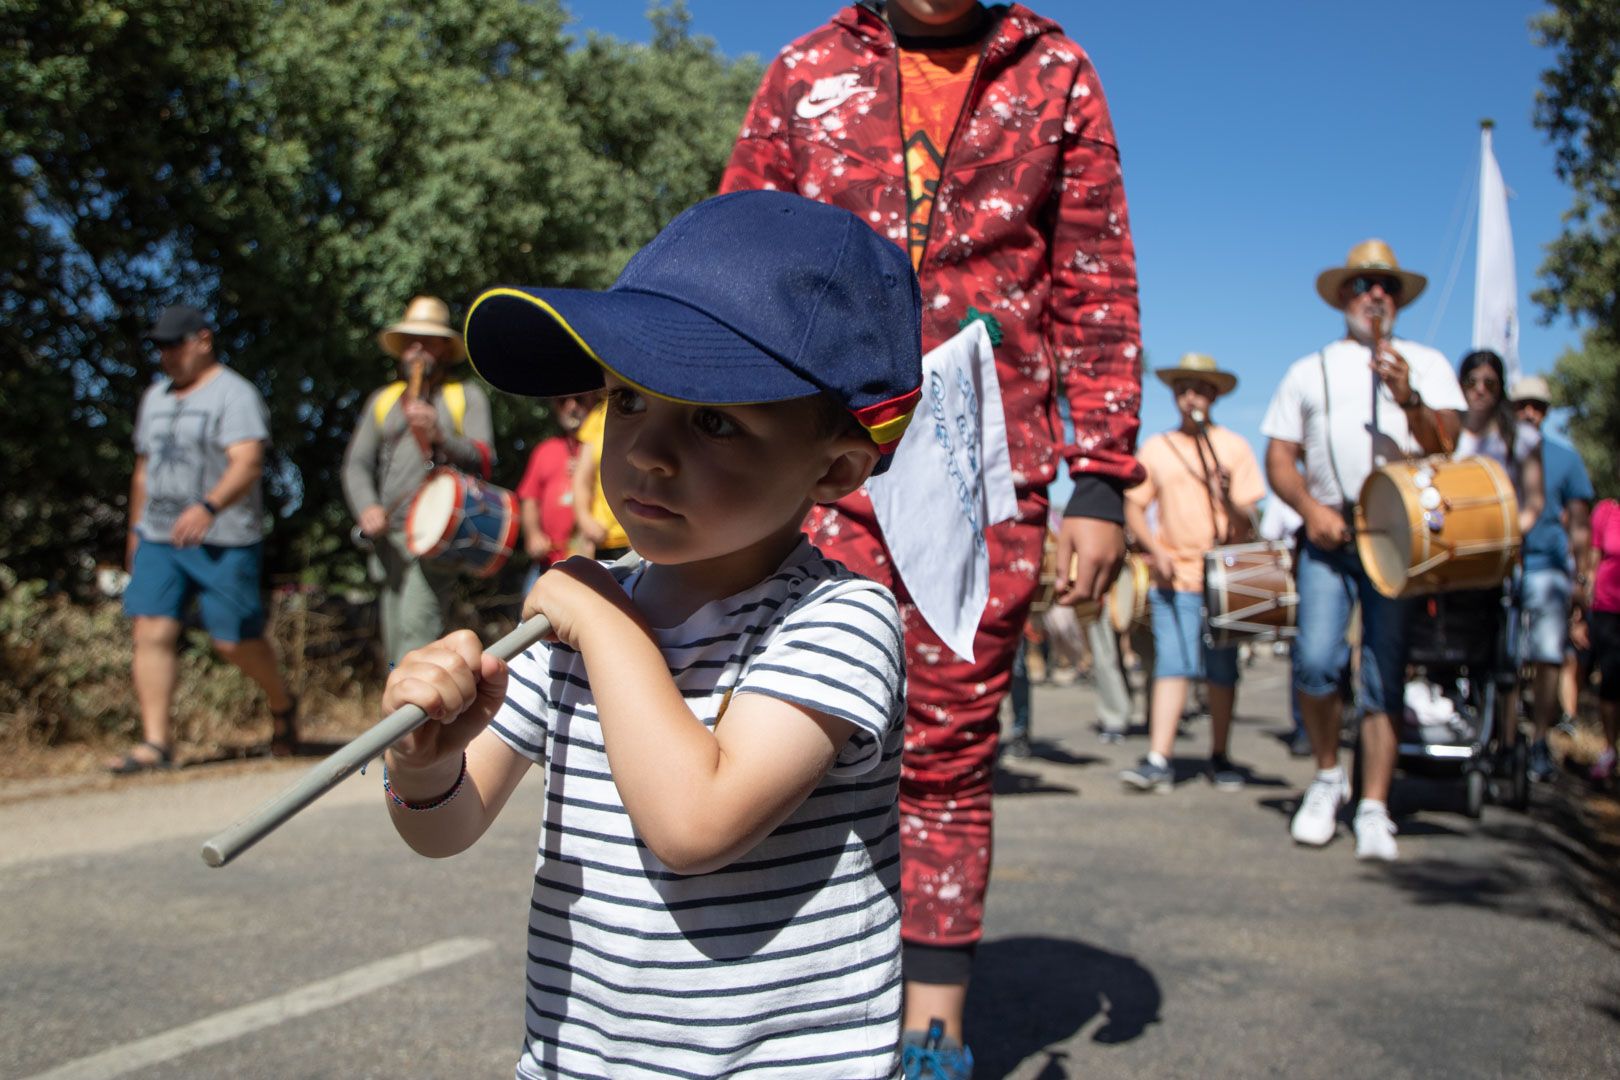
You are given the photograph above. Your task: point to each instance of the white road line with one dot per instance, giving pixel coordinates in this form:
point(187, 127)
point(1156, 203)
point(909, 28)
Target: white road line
point(233, 1023)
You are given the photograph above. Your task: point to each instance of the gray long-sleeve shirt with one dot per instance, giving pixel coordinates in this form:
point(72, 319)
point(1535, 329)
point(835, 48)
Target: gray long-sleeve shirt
point(384, 466)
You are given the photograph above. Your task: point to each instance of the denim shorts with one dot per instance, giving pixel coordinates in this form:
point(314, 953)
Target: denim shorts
point(1179, 651)
point(225, 581)
point(1330, 583)
point(1539, 630)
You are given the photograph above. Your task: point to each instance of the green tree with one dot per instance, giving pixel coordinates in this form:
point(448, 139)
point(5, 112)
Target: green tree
point(302, 169)
point(101, 102)
point(1578, 107)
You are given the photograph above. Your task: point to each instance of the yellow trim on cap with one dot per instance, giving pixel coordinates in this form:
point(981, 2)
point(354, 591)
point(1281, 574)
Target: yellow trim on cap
point(537, 302)
point(891, 429)
point(590, 352)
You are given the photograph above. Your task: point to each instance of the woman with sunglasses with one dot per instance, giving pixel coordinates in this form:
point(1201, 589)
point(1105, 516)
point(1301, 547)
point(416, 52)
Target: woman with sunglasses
point(1489, 429)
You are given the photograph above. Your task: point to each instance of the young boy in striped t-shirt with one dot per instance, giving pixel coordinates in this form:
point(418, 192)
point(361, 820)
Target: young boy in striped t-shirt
point(716, 891)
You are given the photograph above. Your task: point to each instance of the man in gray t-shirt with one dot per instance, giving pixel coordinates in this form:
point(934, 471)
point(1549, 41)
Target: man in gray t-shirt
point(196, 522)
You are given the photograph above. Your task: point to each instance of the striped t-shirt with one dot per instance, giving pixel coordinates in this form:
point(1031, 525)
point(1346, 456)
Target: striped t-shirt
point(785, 963)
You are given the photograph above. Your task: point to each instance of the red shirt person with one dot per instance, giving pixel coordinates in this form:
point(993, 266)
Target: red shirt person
point(979, 140)
point(545, 495)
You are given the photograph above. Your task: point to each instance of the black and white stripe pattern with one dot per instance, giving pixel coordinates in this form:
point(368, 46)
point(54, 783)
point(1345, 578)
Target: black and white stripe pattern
point(783, 964)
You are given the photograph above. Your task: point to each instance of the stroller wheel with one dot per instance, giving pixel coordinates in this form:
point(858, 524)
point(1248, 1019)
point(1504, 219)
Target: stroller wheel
point(1474, 792)
point(1518, 763)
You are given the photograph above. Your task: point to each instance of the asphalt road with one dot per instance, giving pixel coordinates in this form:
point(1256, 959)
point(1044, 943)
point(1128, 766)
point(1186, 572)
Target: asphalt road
point(1176, 935)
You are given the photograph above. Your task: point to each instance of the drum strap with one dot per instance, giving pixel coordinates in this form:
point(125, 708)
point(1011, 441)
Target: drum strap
point(1327, 418)
point(1205, 473)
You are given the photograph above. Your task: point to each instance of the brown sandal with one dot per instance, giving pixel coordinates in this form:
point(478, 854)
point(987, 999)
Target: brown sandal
point(284, 730)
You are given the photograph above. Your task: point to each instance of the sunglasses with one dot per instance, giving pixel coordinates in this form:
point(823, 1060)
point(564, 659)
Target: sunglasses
point(1482, 382)
point(1531, 403)
point(1362, 284)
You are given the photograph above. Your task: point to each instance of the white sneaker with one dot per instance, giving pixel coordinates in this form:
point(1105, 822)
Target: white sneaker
point(1375, 835)
point(1317, 818)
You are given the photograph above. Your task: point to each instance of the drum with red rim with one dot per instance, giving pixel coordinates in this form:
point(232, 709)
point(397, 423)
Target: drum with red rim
point(461, 520)
point(1249, 594)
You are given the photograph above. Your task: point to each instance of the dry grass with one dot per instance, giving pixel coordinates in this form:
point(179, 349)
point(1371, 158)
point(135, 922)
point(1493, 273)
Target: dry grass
point(66, 699)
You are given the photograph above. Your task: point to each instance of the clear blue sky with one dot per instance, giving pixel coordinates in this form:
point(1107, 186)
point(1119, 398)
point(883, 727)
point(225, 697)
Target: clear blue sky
point(1261, 140)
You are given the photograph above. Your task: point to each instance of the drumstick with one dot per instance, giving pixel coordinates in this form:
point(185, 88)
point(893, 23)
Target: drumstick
point(337, 768)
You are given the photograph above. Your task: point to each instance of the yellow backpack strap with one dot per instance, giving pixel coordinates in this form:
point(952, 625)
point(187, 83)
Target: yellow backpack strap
point(455, 397)
point(386, 397)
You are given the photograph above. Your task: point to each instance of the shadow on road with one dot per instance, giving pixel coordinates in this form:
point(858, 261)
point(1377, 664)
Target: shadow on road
point(1009, 781)
point(1564, 835)
point(1032, 992)
point(1609, 1009)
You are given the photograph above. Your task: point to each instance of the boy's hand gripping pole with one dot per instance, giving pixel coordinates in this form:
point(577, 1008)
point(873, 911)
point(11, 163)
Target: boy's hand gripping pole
point(342, 764)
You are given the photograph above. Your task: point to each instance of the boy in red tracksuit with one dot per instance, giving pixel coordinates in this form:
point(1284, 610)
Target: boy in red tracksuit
point(978, 138)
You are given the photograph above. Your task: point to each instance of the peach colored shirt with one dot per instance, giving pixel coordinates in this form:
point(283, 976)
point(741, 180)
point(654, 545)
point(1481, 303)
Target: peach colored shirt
point(1177, 482)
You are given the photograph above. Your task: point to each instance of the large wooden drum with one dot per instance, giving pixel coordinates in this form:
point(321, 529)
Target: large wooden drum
point(1436, 525)
point(1249, 594)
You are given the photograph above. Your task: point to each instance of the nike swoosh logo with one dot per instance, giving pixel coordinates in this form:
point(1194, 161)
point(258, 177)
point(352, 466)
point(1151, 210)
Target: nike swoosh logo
point(811, 107)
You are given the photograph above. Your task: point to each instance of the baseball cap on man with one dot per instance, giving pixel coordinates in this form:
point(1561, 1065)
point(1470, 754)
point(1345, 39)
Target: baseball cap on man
point(747, 298)
point(178, 321)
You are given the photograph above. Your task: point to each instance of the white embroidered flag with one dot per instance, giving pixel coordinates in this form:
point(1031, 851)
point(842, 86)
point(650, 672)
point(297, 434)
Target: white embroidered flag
point(949, 480)
point(1496, 283)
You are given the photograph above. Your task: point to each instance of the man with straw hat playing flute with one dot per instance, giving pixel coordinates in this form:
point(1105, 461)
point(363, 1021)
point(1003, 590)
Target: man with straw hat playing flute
point(1206, 484)
point(404, 429)
point(1341, 412)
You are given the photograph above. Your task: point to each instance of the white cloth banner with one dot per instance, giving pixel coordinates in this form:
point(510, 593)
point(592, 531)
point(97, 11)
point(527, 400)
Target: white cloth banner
point(1496, 284)
point(949, 480)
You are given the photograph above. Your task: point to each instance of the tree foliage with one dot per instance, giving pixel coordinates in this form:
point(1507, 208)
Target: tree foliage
point(1579, 109)
point(301, 169)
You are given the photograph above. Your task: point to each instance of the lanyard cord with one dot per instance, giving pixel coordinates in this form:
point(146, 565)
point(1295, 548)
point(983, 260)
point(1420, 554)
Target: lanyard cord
point(1206, 478)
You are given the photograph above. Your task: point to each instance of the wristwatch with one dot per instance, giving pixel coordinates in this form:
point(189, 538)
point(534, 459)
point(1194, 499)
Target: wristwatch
point(1414, 400)
point(213, 511)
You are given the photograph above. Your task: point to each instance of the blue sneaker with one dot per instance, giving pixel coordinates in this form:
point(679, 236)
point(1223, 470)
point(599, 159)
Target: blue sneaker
point(934, 1056)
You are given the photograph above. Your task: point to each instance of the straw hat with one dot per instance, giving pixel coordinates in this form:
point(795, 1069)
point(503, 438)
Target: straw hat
point(425, 316)
point(1198, 366)
point(1369, 256)
point(1531, 388)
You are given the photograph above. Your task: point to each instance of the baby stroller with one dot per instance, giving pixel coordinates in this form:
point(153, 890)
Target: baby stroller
point(1458, 675)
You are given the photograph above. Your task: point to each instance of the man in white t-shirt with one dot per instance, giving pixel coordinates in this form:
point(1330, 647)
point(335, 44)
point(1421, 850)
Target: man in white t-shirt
point(1361, 401)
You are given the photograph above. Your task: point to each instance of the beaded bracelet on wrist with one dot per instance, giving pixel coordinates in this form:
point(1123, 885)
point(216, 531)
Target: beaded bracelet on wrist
point(431, 804)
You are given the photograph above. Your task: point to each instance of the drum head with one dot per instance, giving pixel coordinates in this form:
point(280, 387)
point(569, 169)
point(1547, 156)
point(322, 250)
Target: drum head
point(1385, 542)
point(431, 512)
point(1122, 597)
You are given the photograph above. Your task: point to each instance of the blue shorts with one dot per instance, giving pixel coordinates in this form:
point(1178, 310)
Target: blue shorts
point(224, 579)
point(1539, 630)
point(1330, 584)
point(1179, 651)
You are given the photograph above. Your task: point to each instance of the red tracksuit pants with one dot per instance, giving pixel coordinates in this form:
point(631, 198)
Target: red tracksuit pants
point(952, 726)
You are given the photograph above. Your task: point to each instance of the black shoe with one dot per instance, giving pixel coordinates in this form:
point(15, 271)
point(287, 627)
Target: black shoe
point(1018, 746)
point(1541, 762)
point(1299, 745)
point(1224, 775)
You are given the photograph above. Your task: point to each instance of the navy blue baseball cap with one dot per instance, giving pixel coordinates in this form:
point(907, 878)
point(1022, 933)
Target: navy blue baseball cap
point(747, 298)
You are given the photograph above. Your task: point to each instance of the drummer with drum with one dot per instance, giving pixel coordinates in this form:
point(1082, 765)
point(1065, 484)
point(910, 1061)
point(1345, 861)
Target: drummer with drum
point(1341, 412)
point(405, 430)
point(1206, 484)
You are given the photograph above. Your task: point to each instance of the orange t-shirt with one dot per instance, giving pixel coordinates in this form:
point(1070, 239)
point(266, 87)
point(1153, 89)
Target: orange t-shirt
point(1176, 481)
point(934, 84)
